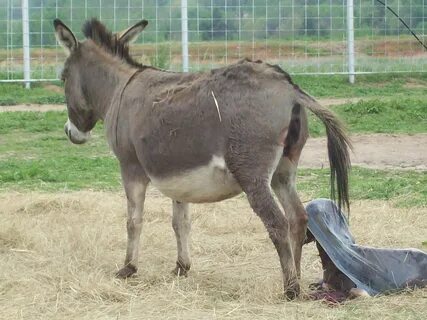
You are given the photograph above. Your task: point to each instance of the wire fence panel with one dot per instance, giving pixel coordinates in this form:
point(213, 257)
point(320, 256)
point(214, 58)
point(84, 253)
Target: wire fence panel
point(302, 36)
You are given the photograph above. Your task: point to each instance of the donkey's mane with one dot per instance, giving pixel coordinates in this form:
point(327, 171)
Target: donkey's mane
point(96, 31)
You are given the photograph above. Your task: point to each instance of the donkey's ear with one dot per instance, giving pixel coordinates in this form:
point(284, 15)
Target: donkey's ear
point(131, 33)
point(64, 35)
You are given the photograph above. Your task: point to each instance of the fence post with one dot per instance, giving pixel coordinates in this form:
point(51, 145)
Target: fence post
point(26, 43)
point(184, 34)
point(350, 40)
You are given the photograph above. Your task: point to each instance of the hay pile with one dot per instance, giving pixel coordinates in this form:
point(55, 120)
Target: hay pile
point(59, 252)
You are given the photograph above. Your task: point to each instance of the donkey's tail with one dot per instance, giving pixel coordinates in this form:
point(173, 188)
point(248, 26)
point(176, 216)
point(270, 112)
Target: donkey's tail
point(338, 148)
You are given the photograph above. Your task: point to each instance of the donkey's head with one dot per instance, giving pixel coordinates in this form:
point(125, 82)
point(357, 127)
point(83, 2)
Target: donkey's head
point(82, 115)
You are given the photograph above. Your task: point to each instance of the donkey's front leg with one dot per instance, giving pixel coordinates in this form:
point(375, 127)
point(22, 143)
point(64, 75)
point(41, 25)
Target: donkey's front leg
point(135, 183)
point(181, 224)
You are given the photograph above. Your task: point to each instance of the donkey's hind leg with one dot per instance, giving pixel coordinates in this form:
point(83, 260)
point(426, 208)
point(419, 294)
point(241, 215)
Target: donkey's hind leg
point(277, 225)
point(135, 183)
point(283, 184)
point(255, 179)
point(181, 224)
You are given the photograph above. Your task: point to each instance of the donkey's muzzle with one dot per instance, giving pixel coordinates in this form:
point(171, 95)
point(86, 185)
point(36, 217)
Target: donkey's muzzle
point(75, 135)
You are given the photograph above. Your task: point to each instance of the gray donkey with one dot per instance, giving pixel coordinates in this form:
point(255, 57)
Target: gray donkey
point(199, 137)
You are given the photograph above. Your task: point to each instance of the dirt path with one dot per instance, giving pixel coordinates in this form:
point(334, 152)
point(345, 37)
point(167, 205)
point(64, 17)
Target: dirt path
point(61, 107)
point(372, 151)
point(33, 107)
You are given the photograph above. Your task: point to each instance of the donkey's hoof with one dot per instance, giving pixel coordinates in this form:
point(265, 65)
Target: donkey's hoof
point(291, 292)
point(181, 269)
point(126, 271)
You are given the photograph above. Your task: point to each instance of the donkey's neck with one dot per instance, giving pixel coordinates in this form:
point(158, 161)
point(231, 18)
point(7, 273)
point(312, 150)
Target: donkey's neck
point(103, 78)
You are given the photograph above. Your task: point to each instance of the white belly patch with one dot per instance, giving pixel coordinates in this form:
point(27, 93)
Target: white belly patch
point(209, 183)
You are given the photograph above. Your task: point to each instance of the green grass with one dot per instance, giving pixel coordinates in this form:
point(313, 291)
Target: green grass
point(36, 155)
point(13, 93)
point(403, 188)
point(404, 115)
point(373, 85)
point(76, 172)
point(64, 172)
point(31, 121)
point(381, 86)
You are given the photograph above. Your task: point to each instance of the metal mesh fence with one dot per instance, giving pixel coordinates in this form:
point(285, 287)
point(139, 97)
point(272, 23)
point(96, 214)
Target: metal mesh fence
point(303, 36)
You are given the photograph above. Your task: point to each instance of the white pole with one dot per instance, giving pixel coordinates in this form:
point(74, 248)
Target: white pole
point(184, 36)
point(26, 42)
point(350, 40)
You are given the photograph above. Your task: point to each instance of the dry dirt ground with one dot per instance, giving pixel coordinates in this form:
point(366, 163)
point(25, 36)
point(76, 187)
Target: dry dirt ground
point(374, 151)
point(59, 252)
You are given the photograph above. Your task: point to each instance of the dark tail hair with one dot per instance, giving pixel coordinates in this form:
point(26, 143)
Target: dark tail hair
point(338, 148)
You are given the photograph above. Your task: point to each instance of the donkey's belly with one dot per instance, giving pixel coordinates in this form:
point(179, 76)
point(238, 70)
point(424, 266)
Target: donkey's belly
point(209, 183)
